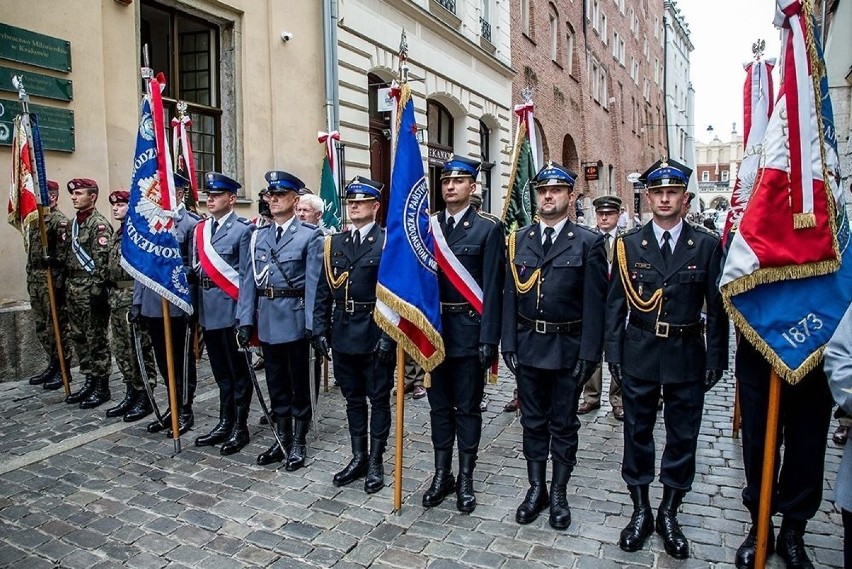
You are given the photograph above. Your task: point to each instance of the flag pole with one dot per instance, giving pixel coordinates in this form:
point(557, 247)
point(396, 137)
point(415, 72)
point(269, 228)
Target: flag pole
point(767, 482)
point(147, 75)
point(400, 417)
point(18, 82)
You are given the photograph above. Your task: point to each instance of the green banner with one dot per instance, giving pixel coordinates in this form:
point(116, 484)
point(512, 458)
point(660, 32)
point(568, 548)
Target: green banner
point(24, 46)
point(37, 84)
point(56, 125)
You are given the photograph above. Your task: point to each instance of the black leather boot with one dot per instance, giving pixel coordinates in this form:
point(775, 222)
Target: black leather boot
point(83, 393)
point(186, 420)
point(299, 450)
point(239, 436)
point(560, 513)
point(641, 524)
point(667, 525)
point(54, 382)
point(284, 428)
point(141, 408)
point(222, 429)
point(47, 373)
point(357, 467)
point(465, 497)
point(130, 398)
point(443, 483)
point(156, 426)
point(747, 551)
point(375, 467)
point(537, 498)
point(98, 396)
point(791, 544)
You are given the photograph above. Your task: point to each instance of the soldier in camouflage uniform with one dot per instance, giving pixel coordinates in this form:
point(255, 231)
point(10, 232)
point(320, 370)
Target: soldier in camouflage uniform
point(87, 240)
point(135, 404)
point(38, 261)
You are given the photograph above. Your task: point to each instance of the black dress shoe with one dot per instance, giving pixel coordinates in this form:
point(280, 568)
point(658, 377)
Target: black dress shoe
point(272, 454)
point(747, 551)
point(791, 547)
point(299, 450)
point(465, 496)
point(99, 395)
point(156, 426)
point(375, 479)
point(443, 484)
point(635, 533)
point(239, 437)
point(141, 409)
point(46, 374)
point(186, 420)
point(534, 503)
point(130, 397)
point(83, 393)
point(222, 429)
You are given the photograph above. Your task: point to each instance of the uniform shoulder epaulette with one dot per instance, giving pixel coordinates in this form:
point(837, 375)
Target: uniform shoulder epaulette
point(525, 228)
point(489, 216)
point(630, 231)
point(194, 215)
point(310, 225)
point(244, 221)
point(706, 231)
point(588, 230)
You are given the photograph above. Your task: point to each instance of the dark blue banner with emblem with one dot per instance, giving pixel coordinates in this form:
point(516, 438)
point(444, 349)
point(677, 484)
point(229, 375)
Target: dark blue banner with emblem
point(149, 249)
point(408, 304)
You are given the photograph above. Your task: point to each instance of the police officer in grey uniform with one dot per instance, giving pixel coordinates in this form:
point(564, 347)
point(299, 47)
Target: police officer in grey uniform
point(662, 275)
point(363, 356)
point(277, 299)
point(553, 309)
point(476, 240)
point(147, 311)
point(221, 257)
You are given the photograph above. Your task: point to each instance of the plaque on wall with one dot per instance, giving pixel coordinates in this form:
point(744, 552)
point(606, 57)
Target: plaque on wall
point(37, 84)
point(55, 125)
point(39, 50)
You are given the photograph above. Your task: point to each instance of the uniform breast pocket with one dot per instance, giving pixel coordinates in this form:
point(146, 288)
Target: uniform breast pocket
point(226, 249)
point(568, 262)
point(284, 256)
point(467, 250)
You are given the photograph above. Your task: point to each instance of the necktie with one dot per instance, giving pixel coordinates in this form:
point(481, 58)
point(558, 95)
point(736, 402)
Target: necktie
point(608, 247)
point(666, 248)
point(215, 227)
point(451, 223)
point(548, 239)
point(278, 233)
point(356, 239)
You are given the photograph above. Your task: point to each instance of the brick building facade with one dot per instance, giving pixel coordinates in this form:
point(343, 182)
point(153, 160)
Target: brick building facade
point(596, 70)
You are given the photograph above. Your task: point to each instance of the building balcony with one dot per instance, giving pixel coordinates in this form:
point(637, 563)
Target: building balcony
point(449, 5)
point(484, 29)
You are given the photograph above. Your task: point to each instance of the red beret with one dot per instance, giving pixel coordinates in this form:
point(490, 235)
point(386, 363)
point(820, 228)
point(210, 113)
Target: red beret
point(117, 196)
point(80, 183)
point(52, 186)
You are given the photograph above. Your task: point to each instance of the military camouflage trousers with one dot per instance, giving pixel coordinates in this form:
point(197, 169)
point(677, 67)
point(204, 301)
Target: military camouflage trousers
point(40, 301)
point(88, 329)
point(123, 345)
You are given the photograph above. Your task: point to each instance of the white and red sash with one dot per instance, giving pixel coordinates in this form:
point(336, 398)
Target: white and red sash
point(215, 267)
point(458, 275)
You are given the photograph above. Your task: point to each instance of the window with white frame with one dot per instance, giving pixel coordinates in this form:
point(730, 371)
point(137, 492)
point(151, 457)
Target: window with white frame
point(618, 48)
point(656, 71)
point(725, 175)
point(604, 87)
point(596, 15)
point(525, 17)
point(646, 90)
point(634, 70)
point(604, 32)
point(595, 78)
point(705, 176)
point(569, 49)
point(634, 22)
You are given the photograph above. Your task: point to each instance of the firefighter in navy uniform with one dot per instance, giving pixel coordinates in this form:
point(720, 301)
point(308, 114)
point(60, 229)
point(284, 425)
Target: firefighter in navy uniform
point(476, 239)
point(662, 274)
point(553, 311)
point(363, 356)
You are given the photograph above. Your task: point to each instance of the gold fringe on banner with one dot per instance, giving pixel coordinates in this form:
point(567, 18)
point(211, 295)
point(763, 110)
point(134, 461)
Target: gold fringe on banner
point(519, 139)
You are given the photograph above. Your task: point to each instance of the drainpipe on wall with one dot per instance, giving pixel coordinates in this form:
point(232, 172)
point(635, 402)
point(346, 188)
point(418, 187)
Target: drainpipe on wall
point(332, 96)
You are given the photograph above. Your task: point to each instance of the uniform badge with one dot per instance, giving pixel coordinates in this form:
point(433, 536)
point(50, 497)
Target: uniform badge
point(642, 265)
point(690, 243)
point(532, 234)
point(102, 240)
point(371, 239)
point(466, 224)
point(570, 234)
point(644, 243)
point(101, 227)
point(262, 257)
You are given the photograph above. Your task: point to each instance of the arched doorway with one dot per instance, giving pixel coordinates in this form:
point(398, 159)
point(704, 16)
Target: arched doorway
point(380, 140)
point(441, 126)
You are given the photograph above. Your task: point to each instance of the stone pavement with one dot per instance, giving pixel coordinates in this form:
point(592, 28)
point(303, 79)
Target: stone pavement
point(78, 490)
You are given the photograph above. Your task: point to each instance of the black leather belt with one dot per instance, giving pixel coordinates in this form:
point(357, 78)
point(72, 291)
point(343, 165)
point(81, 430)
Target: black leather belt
point(272, 292)
point(207, 283)
point(666, 330)
point(455, 307)
point(350, 306)
point(545, 327)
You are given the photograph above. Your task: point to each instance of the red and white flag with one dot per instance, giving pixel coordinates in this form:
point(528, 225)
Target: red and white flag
point(789, 229)
point(758, 101)
point(182, 149)
point(23, 205)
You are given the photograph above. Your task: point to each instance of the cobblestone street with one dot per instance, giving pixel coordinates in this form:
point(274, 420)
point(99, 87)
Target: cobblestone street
point(78, 490)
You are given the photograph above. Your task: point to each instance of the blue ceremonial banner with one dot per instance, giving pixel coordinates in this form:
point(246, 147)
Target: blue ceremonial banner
point(408, 304)
point(38, 152)
point(149, 249)
point(791, 321)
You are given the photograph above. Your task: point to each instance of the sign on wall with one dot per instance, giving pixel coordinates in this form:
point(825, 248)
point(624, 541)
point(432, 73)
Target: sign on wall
point(24, 46)
point(56, 125)
point(37, 84)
